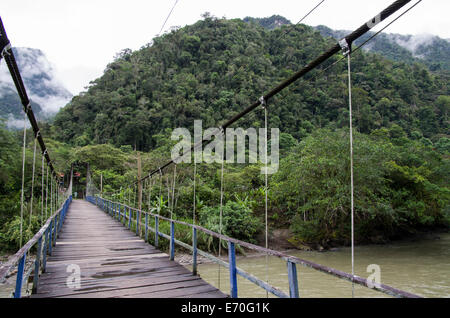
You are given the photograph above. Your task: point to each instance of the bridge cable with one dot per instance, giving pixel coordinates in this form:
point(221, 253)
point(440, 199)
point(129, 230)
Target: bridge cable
point(221, 204)
point(301, 20)
point(347, 51)
point(264, 106)
point(351, 171)
point(170, 13)
point(173, 190)
point(32, 179)
point(23, 178)
point(42, 190)
point(46, 194)
point(168, 191)
point(195, 199)
point(160, 184)
point(51, 197)
point(134, 196)
point(152, 185)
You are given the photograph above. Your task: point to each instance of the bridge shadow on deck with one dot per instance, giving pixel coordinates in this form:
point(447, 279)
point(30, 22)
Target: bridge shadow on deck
point(113, 262)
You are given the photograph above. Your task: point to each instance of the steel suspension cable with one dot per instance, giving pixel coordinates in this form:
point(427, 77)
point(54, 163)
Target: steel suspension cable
point(42, 190)
point(160, 184)
point(221, 207)
point(173, 190)
point(266, 191)
point(46, 195)
point(302, 19)
point(168, 191)
point(32, 179)
point(23, 178)
point(351, 170)
point(134, 196)
point(51, 196)
point(195, 199)
point(149, 187)
point(170, 13)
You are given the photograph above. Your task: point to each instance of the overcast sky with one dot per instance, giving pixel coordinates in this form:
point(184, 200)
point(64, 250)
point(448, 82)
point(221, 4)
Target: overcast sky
point(80, 37)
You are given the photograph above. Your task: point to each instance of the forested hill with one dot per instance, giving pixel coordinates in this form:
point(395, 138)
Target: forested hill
point(430, 50)
point(215, 68)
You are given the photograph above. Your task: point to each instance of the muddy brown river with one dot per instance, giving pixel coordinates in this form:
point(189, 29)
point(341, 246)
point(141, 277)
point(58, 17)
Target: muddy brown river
point(421, 267)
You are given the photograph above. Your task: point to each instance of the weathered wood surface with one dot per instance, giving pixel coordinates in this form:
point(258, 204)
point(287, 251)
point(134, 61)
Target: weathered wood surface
point(113, 262)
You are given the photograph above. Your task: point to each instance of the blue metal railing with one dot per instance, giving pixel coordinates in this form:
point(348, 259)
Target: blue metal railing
point(123, 213)
point(45, 239)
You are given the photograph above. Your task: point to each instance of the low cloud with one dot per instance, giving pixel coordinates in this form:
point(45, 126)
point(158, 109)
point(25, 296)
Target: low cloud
point(41, 81)
point(413, 42)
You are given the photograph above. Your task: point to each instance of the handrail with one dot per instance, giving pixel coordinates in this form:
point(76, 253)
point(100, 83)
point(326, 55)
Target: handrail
point(111, 207)
point(48, 232)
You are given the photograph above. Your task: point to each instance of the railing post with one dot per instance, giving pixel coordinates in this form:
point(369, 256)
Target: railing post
point(120, 213)
point(156, 231)
point(61, 215)
point(55, 223)
point(146, 227)
point(19, 278)
point(50, 241)
point(194, 251)
point(37, 265)
point(233, 276)
point(172, 241)
point(130, 215)
point(44, 254)
point(138, 218)
point(293, 282)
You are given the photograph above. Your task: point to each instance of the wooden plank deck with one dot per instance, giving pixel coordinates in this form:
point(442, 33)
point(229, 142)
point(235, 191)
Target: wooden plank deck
point(113, 262)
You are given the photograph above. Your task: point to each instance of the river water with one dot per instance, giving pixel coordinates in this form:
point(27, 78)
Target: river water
point(420, 267)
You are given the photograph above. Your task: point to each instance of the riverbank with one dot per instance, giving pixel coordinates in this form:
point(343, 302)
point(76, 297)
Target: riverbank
point(280, 240)
point(283, 239)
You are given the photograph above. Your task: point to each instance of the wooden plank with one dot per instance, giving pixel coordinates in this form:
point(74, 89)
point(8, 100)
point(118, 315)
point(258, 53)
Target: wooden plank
point(113, 262)
point(118, 284)
point(163, 272)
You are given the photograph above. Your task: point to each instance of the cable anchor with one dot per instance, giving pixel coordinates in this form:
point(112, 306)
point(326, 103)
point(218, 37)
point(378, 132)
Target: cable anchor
point(5, 50)
point(27, 108)
point(263, 102)
point(345, 46)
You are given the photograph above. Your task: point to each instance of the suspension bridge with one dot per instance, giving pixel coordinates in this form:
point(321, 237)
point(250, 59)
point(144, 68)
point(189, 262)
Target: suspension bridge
point(99, 247)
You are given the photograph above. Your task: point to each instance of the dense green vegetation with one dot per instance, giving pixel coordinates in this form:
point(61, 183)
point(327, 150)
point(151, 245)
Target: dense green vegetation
point(214, 69)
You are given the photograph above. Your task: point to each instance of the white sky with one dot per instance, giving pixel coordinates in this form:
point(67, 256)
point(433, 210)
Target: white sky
point(80, 37)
